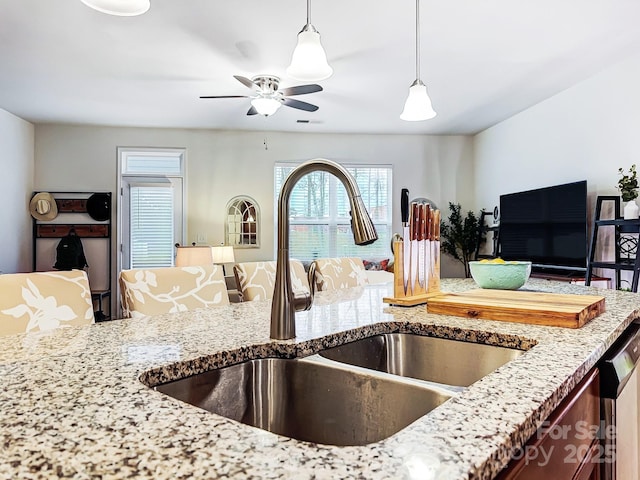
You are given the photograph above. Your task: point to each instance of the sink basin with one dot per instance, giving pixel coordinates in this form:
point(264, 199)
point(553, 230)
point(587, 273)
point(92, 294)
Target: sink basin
point(311, 399)
point(440, 360)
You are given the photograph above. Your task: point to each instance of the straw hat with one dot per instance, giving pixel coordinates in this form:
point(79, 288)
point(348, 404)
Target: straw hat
point(43, 206)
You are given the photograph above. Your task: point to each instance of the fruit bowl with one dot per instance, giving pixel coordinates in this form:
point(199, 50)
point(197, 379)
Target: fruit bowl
point(499, 274)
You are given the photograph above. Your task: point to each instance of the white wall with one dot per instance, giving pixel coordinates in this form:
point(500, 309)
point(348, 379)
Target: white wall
point(16, 187)
point(223, 164)
point(586, 132)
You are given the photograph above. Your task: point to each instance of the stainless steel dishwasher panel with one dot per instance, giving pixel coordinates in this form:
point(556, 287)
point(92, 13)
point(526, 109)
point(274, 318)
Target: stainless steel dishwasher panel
point(620, 397)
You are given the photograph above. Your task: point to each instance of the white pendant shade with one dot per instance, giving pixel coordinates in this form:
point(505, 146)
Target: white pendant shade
point(309, 61)
point(266, 106)
point(418, 105)
point(124, 8)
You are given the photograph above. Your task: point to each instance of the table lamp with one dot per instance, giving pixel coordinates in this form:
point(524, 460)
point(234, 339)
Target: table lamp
point(222, 254)
point(194, 255)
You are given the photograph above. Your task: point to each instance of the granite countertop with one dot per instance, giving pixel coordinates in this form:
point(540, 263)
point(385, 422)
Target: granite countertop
point(73, 403)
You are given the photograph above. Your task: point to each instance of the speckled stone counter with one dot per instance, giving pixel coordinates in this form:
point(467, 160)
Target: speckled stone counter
point(73, 403)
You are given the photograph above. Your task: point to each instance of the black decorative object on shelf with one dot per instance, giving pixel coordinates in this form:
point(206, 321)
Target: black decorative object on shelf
point(625, 243)
point(99, 206)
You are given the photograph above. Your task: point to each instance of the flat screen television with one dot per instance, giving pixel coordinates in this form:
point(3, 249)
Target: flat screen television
point(547, 226)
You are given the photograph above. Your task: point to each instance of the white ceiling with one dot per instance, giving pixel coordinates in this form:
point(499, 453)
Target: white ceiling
point(482, 61)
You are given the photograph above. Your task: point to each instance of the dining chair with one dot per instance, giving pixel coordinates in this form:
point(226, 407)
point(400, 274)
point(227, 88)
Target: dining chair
point(336, 273)
point(256, 280)
point(40, 301)
point(154, 291)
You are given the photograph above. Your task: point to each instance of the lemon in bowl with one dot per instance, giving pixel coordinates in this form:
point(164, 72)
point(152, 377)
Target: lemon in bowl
point(500, 274)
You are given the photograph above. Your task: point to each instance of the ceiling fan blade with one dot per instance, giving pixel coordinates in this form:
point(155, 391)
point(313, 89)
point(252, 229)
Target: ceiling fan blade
point(290, 102)
point(226, 96)
point(246, 82)
point(301, 90)
point(252, 111)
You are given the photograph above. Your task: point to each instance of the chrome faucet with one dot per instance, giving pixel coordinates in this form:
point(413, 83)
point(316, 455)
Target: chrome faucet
point(285, 302)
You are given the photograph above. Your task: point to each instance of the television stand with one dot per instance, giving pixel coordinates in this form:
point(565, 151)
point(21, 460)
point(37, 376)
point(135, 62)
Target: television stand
point(576, 278)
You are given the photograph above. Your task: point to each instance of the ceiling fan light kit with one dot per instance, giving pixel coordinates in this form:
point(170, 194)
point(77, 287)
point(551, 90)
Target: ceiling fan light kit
point(309, 60)
point(268, 98)
point(418, 104)
point(266, 106)
point(122, 8)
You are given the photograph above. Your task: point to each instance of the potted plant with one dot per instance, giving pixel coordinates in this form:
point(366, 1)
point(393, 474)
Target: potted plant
point(459, 237)
point(628, 186)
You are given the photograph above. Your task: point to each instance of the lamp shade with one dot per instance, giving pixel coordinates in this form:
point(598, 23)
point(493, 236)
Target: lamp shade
point(193, 256)
point(266, 106)
point(123, 8)
point(222, 254)
point(418, 105)
point(309, 61)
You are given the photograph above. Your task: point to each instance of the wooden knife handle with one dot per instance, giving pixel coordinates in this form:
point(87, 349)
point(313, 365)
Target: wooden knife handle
point(422, 228)
point(414, 221)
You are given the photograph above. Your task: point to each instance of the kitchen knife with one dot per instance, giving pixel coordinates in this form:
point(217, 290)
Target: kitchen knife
point(414, 226)
point(427, 258)
point(436, 241)
point(422, 234)
point(406, 249)
point(432, 247)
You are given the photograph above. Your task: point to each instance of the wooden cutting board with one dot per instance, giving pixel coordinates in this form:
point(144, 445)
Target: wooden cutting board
point(538, 308)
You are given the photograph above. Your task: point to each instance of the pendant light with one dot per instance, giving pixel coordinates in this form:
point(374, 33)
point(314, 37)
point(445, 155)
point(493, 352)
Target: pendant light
point(418, 105)
point(309, 61)
point(122, 8)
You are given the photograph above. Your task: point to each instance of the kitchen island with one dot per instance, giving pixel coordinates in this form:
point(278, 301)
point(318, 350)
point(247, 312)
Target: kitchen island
point(74, 403)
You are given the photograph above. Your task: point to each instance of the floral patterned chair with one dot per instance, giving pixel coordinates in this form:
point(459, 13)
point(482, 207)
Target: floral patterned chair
point(336, 273)
point(147, 292)
point(256, 280)
point(40, 301)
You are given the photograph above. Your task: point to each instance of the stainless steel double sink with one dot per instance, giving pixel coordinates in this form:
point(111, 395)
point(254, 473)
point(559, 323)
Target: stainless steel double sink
point(353, 394)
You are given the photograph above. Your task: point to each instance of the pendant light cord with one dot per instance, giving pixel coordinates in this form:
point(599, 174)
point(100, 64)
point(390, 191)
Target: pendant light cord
point(308, 12)
point(417, 39)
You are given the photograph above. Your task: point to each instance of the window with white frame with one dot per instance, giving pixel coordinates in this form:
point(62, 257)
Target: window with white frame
point(152, 205)
point(319, 212)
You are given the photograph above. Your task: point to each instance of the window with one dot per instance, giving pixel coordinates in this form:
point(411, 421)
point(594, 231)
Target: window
point(151, 225)
point(242, 224)
point(320, 222)
point(152, 206)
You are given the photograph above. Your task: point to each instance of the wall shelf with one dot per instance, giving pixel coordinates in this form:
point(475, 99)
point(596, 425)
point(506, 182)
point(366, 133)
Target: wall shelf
point(96, 236)
point(625, 246)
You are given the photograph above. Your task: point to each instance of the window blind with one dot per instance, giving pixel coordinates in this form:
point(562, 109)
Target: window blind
point(320, 222)
point(151, 226)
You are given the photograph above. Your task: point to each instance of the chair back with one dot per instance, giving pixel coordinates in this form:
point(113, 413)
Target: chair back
point(39, 301)
point(336, 273)
point(256, 280)
point(155, 291)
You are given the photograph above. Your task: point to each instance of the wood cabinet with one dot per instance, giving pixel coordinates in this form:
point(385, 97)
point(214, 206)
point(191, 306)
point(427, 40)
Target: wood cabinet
point(567, 446)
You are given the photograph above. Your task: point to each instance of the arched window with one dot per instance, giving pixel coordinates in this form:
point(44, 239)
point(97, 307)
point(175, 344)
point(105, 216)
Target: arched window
point(243, 222)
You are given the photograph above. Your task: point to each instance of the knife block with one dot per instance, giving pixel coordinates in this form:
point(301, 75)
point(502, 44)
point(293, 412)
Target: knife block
point(415, 294)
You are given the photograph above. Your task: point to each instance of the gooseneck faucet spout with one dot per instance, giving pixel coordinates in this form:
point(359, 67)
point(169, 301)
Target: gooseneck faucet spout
point(285, 303)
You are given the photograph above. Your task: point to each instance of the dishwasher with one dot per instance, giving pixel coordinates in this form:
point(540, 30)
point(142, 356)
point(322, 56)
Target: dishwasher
point(619, 401)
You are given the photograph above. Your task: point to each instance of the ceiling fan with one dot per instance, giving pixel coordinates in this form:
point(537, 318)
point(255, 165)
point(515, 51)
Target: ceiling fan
point(268, 99)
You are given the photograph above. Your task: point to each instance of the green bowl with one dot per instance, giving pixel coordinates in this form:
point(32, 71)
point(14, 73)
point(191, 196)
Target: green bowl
point(500, 276)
